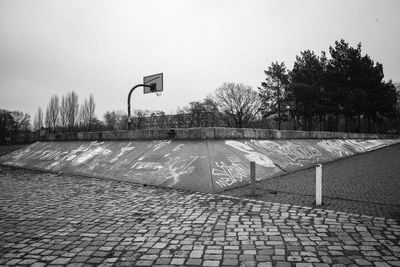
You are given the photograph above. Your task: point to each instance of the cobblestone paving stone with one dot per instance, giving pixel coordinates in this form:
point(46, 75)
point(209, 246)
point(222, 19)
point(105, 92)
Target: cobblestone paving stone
point(364, 184)
point(53, 220)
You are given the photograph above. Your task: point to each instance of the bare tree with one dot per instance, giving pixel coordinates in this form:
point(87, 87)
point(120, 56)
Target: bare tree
point(47, 120)
point(397, 85)
point(80, 120)
point(84, 114)
point(52, 113)
point(38, 120)
point(197, 113)
point(87, 112)
point(213, 117)
point(159, 118)
point(110, 120)
point(91, 110)
point(139, 119)
point(72, 109)
point(63, 113)
point(116, 120)
point(181, 118)
point(239, 102)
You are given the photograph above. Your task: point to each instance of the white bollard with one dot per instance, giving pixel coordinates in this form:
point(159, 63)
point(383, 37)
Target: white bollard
point(318, 185)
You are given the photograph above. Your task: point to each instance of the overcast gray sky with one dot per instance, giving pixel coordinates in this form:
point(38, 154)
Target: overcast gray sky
point(105, 47)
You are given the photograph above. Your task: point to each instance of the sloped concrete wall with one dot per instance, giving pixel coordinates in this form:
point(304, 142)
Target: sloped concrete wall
point(229, 159)
point(181, 165)
point(210, 165)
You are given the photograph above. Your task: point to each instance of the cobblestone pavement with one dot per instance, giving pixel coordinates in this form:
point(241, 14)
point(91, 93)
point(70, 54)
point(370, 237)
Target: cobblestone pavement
point(365, 184)
point(49, 219)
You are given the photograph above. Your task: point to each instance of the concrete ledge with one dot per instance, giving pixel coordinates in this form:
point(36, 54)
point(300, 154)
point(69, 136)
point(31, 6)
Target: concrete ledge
point(208, 133)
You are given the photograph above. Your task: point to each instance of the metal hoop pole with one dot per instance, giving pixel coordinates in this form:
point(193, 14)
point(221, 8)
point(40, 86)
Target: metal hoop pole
point(129, 102)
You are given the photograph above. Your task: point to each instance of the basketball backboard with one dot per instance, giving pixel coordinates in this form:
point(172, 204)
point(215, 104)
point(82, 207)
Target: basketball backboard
point(156, 81)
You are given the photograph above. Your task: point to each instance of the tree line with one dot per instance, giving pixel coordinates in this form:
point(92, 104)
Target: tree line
point(342, 92)
point(66, 114)
point(230, 105)
point(336, 93)
point(13, 123)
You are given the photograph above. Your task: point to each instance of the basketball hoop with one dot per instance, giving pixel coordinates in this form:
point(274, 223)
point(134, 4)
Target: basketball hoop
point(151, 84)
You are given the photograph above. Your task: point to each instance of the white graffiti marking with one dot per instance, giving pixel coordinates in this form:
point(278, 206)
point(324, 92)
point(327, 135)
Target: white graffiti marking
point(50, 155)
point(369, 145)
point(353, 145)
point(45, 155)
point(160, 144)
point(294, 153)
point(123, 151)
point(178, 147)
point(61, 155)
point(72, 154)
point(251, 155)
point(90, 153)
point(33, 155)
point(334, 147)
point(181, 166)
point(53, 165)
point(229, 174)
point(140, 165)
point(169, 172)
point(297, 153)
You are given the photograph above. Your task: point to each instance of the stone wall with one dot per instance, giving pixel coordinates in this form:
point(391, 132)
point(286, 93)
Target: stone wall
point(207, 133)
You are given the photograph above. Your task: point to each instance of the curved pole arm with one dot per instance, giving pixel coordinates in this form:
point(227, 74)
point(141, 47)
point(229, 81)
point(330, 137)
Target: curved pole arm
point(129, 101)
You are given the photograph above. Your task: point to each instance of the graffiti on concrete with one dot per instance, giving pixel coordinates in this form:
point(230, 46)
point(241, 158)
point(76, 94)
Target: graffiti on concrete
point(168, 172)
point(144, 165)
point(298, 154)
point(364, 145)
point(179, 167)
point(294, 153)
point(49, 154)
point(90, 154)
point(77, 156)
point(177, 164)
point(353, 145)
point(50, 159)
point(81, 149)
point(227, 175)
point(335, 147)
point(178, 147)
point(156, 145)
point(55, 157)
point(251, 154)
point(124, 150)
